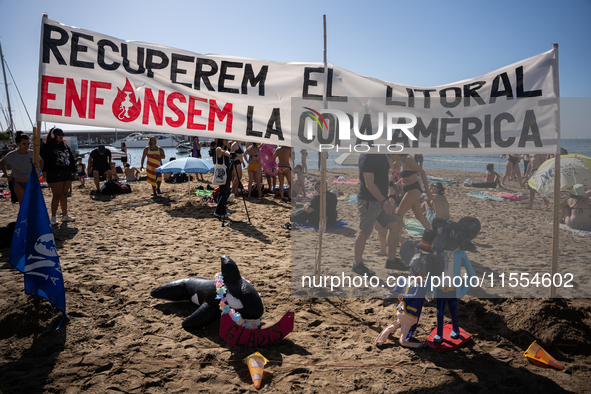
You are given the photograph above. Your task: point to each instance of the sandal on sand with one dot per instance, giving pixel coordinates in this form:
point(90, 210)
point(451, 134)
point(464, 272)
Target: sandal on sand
point(286, 226)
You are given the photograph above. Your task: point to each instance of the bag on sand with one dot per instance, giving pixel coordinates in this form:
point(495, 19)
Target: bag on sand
point(115, 187)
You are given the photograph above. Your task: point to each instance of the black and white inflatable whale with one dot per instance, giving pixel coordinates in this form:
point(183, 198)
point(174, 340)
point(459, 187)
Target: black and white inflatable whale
point(240, 296)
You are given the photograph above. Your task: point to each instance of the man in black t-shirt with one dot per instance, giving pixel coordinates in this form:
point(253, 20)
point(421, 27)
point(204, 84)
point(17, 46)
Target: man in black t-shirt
point(374, 205)
point(99, 164)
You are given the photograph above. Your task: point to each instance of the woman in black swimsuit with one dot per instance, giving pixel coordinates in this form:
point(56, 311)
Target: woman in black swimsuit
point(576, 210)
point(512, 166)
point(235, 147)
point(411, 187)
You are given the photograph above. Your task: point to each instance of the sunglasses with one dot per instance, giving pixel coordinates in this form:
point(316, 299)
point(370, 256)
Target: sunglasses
point(25, 143)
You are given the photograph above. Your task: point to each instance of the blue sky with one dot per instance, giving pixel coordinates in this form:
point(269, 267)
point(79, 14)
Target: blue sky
point(420, 43)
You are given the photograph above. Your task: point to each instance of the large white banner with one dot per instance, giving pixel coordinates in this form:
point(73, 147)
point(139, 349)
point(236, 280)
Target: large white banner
point(88, 78)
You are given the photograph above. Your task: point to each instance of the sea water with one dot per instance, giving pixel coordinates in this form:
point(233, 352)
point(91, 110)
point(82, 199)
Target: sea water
point(474, 162)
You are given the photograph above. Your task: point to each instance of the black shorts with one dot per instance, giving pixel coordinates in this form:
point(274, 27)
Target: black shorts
point(101, 171)
point(59, 176)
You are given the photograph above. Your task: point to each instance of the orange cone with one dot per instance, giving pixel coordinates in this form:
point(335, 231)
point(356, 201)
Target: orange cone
point(538, 356)
point(256, 363)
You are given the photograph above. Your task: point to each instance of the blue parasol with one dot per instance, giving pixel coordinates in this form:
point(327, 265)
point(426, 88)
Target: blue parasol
point(186, 165)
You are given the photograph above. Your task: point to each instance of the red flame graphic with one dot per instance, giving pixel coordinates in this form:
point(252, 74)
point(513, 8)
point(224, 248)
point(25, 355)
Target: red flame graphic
point(126, 107)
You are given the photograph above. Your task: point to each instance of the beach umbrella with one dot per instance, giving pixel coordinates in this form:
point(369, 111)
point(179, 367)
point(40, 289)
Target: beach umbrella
point(574, 169)
point(186, 165)
point(348, 159)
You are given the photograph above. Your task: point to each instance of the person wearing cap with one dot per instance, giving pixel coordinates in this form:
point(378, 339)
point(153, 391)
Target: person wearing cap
point(58, 169)
point(575, 212)
point(99, 164)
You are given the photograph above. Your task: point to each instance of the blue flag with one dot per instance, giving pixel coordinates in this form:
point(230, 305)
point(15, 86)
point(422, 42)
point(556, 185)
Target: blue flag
point(33, 250)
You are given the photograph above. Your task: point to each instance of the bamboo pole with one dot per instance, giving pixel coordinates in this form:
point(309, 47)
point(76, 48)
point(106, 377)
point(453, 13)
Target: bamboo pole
point(323, 155)
point(555, 233)
point(37, 147)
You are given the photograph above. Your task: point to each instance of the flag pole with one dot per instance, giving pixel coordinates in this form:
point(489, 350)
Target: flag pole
point(555, 233)
point(37, 147)
point(322, 222)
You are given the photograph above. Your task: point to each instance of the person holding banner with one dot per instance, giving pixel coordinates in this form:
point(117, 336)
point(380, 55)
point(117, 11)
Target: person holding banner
point(58, 167)
point(155, 154)
point(21, 161)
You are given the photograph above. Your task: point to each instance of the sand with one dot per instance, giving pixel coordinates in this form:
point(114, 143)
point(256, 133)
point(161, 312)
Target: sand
point(119, 339)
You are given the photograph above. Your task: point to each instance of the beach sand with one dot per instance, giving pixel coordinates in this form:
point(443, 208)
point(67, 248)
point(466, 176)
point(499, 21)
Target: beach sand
point(119, 339)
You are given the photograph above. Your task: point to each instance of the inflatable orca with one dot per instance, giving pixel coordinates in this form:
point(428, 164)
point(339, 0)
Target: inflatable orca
point(241, 296)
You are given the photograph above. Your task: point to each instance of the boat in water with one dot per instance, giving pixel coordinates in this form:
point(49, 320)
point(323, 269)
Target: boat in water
point(116, 154)
point(140, 140)
point(184, 147)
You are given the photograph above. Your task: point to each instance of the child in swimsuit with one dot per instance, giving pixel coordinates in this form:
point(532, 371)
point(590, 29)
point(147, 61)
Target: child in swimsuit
point(491, 177)
point(80, 170)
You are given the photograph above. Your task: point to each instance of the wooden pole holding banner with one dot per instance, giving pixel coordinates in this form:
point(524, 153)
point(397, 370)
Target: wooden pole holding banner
point(323, 155)
point(555, 233)
point(37, 147)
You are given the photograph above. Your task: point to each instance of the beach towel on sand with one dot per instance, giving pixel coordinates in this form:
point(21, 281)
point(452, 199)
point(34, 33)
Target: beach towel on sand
point(338, 224)
point(481, 188)
point(485, 196)
point(414, 228)
point(352, 199)
point(347, 181)
point(203, 192)
point(432, 179)
point(580, 233)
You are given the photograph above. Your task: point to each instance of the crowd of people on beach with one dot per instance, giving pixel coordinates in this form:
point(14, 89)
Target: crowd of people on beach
point(382, 204)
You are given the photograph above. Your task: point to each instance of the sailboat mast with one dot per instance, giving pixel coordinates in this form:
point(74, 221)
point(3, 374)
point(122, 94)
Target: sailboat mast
point(11, 125)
